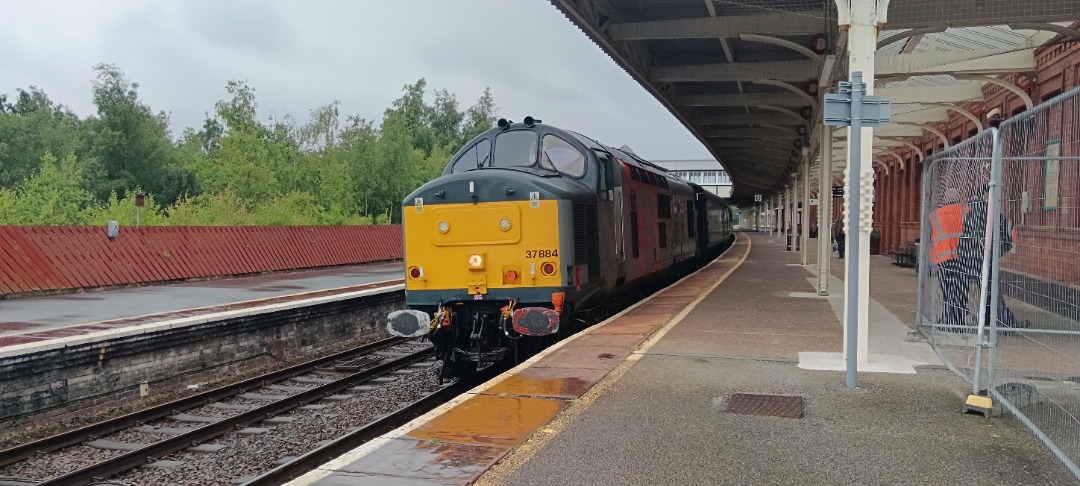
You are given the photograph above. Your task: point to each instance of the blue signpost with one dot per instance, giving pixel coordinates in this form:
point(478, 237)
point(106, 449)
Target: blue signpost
point(851, 107)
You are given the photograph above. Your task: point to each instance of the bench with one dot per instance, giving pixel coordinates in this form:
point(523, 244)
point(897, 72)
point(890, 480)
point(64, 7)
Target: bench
point(907, 255)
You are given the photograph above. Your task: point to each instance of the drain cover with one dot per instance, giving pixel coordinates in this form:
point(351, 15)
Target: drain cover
point(771, 405)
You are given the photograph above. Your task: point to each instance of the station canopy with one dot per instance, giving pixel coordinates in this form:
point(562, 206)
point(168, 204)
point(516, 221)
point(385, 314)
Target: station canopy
point(746, 77)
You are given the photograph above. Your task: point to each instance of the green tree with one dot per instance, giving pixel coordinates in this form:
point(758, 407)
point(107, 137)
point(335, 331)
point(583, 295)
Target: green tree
point(223, 209)
point(132, 143)
point(51, 196)
point(478, 118)
point(31, 126)
point(123, 210)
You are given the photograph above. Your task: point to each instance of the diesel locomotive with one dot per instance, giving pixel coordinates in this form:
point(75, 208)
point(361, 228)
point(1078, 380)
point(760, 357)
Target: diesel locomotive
point(529, 225)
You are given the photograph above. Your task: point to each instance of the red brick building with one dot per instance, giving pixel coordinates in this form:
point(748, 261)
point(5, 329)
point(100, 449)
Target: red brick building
point(1046, 217)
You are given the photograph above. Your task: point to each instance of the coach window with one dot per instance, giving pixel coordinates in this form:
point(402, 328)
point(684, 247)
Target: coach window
point(475, 157)
point(563, 156)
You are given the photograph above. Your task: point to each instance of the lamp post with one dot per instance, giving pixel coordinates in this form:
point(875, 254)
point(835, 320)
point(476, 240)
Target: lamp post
point(139, 201)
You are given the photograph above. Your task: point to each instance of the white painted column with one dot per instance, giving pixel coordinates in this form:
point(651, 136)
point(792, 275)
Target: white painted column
point(862, 20)
point(772, 215)
point(804, 172)
point(781, 215)
point(765, 215)
point(789, 216)
point(825, 211)
point(795, 209)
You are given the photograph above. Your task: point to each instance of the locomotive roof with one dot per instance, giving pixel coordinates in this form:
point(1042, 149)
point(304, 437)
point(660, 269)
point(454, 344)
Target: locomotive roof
point(624, 155)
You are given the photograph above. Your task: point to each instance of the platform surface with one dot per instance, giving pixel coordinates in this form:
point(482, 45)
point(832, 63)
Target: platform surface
point(36, 319)
point(643, 399)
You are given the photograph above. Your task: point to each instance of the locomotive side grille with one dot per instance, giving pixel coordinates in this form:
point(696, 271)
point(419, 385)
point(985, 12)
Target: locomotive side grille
point(634, 233)
point(663, 206)
point(587, 238)
point(690, 220)
point(663, 235)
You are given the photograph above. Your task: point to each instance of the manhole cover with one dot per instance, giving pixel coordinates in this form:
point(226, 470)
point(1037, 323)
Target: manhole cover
point(772, 405)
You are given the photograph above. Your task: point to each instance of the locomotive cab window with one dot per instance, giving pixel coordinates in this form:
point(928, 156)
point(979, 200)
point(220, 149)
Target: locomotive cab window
point(475, 157)
point(515, 149)
point(559, 154)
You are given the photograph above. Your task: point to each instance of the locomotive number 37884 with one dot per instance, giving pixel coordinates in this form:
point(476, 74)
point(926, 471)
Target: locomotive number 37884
point(541, 253)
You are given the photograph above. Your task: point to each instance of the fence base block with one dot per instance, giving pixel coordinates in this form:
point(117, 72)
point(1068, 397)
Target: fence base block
point(982, 404)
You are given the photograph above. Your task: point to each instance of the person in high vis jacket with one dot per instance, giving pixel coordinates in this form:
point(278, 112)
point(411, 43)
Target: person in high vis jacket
point(958, 233)
point(946, 228)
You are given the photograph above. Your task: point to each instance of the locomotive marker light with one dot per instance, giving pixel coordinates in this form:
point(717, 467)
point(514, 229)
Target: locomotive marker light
point(504, 224)
point(444, 226)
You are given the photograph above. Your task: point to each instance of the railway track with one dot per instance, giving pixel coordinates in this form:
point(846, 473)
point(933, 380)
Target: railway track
point(227, 414)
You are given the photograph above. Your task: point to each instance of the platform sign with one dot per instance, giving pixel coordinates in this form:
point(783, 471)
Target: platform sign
point(757, 197)
point(838, 192)
point(815, 201)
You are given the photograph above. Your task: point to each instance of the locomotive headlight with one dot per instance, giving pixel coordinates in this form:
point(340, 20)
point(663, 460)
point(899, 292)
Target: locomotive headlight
point(444, 226)
point(504, 224)
point(476, 261)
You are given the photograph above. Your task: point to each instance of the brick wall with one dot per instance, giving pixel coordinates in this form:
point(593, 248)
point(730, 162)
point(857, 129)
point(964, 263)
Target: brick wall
point(898, 193)
point(49, 383)
point(50, 258)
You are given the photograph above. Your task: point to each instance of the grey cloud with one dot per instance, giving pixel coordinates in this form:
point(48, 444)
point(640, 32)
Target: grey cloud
point(300, 55)
point(247, 25)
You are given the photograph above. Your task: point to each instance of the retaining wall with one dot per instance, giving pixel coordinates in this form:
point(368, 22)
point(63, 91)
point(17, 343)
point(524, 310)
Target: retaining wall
point(104, 372)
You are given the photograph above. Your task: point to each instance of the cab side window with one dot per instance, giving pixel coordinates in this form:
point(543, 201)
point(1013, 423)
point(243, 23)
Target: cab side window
point(563, 156)
point(477, 156)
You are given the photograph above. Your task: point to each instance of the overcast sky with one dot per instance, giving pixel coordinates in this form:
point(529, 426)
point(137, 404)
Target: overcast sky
point(299, 55)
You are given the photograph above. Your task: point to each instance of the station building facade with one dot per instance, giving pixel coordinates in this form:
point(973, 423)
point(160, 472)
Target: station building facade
point(898, 185)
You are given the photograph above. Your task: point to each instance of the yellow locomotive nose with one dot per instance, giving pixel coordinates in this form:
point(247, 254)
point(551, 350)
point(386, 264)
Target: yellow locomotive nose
point(472, 248)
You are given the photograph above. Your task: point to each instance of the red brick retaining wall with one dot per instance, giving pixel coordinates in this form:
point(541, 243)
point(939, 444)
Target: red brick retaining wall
point(43, 258)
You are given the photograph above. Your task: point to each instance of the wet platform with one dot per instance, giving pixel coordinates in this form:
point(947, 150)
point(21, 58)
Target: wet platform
point(650, 397)
point(38, 320)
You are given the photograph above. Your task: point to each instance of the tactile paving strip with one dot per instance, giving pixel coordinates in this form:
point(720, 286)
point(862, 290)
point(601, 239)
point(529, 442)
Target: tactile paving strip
point(771, 405)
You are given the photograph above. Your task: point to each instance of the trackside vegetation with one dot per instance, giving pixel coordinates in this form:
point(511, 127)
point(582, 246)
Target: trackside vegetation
point(236, 169)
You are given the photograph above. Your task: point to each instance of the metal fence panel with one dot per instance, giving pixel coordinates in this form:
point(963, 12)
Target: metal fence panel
point(1037, 367)
point(1028, 358)
point(950, 284)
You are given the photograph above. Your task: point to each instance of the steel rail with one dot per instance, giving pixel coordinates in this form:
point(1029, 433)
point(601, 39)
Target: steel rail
point(139, 457)
point(82, 434)
point(319, 456)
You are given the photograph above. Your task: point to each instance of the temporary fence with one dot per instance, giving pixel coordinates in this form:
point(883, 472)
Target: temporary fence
point(1001, 233)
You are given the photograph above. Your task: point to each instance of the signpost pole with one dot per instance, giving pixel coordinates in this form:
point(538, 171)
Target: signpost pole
point(850, 107)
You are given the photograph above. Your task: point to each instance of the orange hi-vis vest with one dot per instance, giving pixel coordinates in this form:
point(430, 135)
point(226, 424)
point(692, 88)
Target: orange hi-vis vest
point(946, 226)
